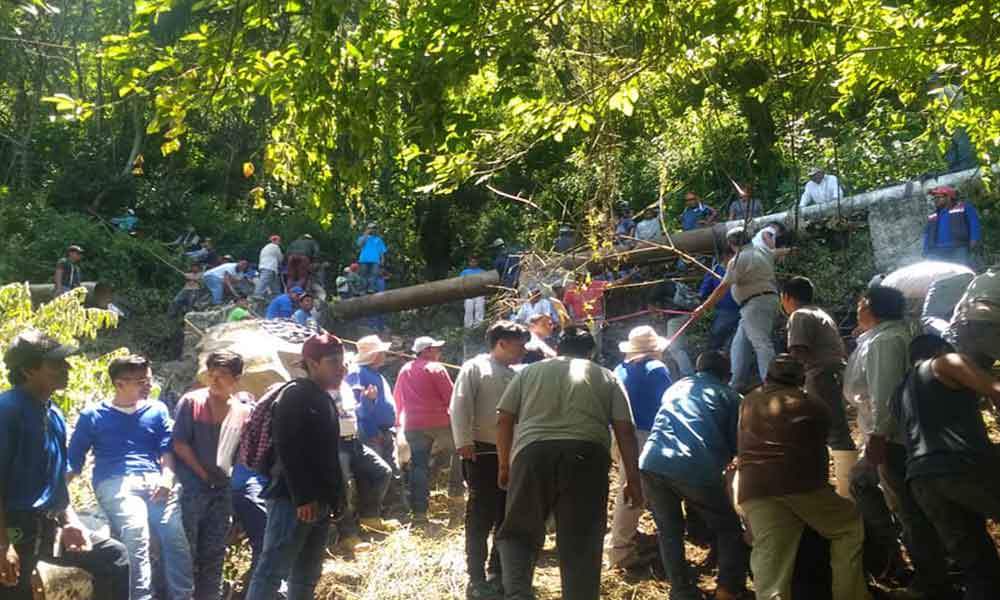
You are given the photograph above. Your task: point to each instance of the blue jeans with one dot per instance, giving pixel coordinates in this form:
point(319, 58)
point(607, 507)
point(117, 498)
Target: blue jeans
point(133, 516)
point(206, 521)
point(249, 508)
point(678, 349)
point(268, 281)
point(422, 442)
point(723, 329)
point(369, 271)
point(712, 504)
point(753, 336)
point(216, 286)
point(293, 550)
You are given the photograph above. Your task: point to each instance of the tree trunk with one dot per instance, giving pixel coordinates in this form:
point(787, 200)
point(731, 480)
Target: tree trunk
point(416, 296)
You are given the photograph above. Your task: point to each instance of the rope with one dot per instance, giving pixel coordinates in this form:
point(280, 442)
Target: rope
point(646, 312)
point(404, 355)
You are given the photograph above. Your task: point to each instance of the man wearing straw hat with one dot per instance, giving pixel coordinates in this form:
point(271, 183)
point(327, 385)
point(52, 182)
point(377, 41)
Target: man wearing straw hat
point(478, 389)
point(692, 440)
point(376, 409)
point(645, 378)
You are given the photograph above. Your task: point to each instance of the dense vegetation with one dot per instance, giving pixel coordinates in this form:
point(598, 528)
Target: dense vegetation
point(245, 117)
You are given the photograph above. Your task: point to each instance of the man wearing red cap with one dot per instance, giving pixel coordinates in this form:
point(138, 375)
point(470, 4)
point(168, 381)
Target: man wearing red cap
point(952, 229)
point(269, 265)
point(307, 484)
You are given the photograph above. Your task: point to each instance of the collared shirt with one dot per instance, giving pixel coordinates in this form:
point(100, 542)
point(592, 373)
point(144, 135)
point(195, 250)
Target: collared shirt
point(694, 435)
point(270, 257)
point(564, 399)
point(373, 415)
point(32, 453)
point(645, 379)
point(478, 389)
point(123, 444)
point(423, 393)
point(692, 215)
point(827, 190)
point(873, 372)
point(750, 273)
point(710, 282)
point(648, 229)
point(541, 307)
point(587, 302)
point(738, 209)
point(812, 328)
point(372, 249)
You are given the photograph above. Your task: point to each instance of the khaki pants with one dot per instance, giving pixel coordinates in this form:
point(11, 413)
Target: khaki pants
point(625, 519)
point(777, 523)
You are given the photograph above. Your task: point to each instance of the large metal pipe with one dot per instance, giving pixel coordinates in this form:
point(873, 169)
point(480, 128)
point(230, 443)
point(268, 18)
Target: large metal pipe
point(416, 296)
point(708, 239)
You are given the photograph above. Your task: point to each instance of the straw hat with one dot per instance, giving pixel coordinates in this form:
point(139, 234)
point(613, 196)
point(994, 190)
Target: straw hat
point(643, 339)
point(368, 347)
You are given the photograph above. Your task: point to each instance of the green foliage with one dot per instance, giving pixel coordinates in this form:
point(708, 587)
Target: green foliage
point(66, 319)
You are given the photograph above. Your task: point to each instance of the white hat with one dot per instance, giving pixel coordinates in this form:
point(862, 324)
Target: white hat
point(813, 170)
point(643, 339)
point(368, 347)
point(424, 342)
point(498, 242)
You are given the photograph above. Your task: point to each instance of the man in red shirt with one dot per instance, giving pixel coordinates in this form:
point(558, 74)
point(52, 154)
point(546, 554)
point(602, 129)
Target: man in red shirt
point(423, 393)
point(586, 305)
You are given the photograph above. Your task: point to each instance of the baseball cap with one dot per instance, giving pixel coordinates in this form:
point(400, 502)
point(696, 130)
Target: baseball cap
point(424, 342)
point(498, 242)
point(536, 316)
point(296, 290)
point(813, 170)
point(319, 346)
point(33, 346)
point(75, 248)
point(372, 225)
point(275, 238)
point(943, 190)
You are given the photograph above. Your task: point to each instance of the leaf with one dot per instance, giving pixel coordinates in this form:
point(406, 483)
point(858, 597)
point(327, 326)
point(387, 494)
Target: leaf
point(169, 147)
point(247, 170)
point(194, 36)
point(353, 50)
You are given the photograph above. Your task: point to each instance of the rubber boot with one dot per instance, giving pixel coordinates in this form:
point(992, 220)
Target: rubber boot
point(843, 461)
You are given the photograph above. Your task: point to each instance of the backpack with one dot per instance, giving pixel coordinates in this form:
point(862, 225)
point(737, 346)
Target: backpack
point(254, 452)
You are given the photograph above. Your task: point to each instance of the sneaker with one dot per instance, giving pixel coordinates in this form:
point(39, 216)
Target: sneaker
point(352, 544)
point(482, 590)
point(379, 525)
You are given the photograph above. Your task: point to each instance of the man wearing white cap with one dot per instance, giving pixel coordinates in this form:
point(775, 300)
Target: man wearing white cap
point(535, 304)
point(821, 188)
point(645, 378)
point(372, 249)
point(423, 393)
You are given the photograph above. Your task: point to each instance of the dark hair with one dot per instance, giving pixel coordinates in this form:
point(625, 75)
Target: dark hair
point(928, 346)
point(886, 303)
point(714, 362)
point(225, 360)
point(576, 342)
point(506, 330)
point(781, 226)
point(127, 364)
point(800, 289)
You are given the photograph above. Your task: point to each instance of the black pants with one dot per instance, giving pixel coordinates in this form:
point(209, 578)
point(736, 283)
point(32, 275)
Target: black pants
point(107, 561)
point(922, 542)
point(827, 384)
point(568, 478)
point(959, 505)
point(483, 513)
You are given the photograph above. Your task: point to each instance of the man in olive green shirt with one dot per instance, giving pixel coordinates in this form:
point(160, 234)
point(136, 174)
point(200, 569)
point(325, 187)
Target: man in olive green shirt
point(553, 441)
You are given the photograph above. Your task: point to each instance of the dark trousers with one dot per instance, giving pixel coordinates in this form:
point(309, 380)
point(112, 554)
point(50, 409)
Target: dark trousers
point(298, 270)
point(568, 478)
point(107, 560)
point(206, 520)
point(720, 336)
point(959, 505)
point(926, 550)
point(881, 528)
point(483, 513)
point(664, 496)
point(827, 384)
point(367, 476)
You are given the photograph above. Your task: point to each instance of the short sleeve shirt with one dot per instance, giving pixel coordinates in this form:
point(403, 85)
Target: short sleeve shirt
point(564, 399)
point(811, 327)
point(750, 273)
point(195, 428)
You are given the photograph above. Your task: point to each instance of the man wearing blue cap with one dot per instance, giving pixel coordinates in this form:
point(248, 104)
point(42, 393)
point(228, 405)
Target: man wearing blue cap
point(283, 306)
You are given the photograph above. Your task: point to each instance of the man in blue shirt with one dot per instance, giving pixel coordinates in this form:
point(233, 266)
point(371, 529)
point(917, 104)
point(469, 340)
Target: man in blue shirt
point(645, 378)
point(372, 250)
point(475, 308)
point(376, 410)
point(727, 311)
point(134, 476)
point(304, 315)
point(952, 229)
point(34, 498)
point(692, 441)
point(696, 214)
point(283, 306)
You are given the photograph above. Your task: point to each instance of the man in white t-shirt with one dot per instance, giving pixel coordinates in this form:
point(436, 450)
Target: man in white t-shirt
point(820, 189)
point(222, 277)
point(269, 265)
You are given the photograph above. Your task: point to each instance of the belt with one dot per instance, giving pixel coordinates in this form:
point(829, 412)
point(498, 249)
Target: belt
point(348, 438)
point(747, 301)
